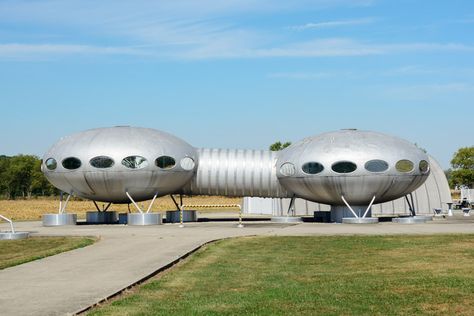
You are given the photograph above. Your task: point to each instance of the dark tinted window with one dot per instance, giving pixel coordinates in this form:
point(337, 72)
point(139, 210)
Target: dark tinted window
point(312, 167)
point(51, 164)
point(376, 165)
point(102, 162)
point(344, 167)
point(71, 163)
point(424, 166)
point(165, 162)
point(404, 165)
point(134, 162)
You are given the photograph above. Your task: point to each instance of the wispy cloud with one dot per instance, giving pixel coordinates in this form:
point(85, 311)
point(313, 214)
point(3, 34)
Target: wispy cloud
point(21, 51)
point(425, 91)
point(332, 24)
point(301, 75)
point(185, 30)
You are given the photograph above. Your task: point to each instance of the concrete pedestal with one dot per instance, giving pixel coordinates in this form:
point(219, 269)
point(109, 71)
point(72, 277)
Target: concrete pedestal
point(188, 216)
point(286, 219)
point(410, 220)
point(338, 212)
point(427, 218)
point(144, 219)
point(108, 217)
point(360, 220)
point(59, 219)
point(13, 236)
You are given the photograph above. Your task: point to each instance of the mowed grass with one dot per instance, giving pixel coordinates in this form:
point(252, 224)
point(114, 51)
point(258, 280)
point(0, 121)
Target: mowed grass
point(402, 275)
point(33, 209)
point(15, 252)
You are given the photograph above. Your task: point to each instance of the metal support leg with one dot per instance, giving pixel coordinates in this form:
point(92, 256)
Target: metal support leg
point(350, 208)
point(63, 208)
point(10, 221)
point(133, 202)
point(291, 206)
point(368, 207)
point(175, 203)
point(151, 203)
point(96, 206)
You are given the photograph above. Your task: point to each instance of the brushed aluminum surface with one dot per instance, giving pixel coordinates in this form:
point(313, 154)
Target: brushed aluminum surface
point(13, 236)
point(110, 184)
point(286, 219)
point(59, 219)
point(360, 220)
point(357, 187)
point(409, 220)
point(236, 172)
point(144, 219)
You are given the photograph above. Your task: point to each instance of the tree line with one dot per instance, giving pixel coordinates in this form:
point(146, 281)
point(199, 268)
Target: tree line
point(21, 177)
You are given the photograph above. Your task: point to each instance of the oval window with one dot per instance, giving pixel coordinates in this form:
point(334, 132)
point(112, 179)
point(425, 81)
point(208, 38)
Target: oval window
point(287, 169)
point(312, 167)
point(101, 162)
point(71, 163)
point(51, 164)
point(187, 163)
point(344, 167)
point(404, 165)
point(134, 162)
point(424, 166)
point(165, 162)
point(376, 165)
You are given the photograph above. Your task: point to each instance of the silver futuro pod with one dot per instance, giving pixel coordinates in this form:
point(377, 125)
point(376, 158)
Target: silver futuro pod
point(356, 165)
point(106, 164)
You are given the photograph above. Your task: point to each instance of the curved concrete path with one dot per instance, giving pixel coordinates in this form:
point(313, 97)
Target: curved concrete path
point(70, 282)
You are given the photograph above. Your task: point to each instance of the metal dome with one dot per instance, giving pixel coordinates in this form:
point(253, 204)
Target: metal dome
point(336, 164)
point(103, 164)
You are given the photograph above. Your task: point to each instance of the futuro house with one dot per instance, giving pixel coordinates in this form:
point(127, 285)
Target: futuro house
point(346, 167)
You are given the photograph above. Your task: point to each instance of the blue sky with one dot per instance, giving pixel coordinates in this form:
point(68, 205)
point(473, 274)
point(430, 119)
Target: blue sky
point(237, 74)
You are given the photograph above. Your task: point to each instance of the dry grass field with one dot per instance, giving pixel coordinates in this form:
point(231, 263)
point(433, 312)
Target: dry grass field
point(33, 209)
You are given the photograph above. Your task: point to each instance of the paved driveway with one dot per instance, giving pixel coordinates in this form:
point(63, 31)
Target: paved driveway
point(71, 281)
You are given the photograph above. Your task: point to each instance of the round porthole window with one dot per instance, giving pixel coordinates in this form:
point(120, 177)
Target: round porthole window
point(424, 166)
point(134, 162)
point(187, 163)
point(71, 163)
point(404, 165)
point(312, 167)
point(344, 167)
point(165, 162)
point(51, 164)
point(287, 169)
point(376, 165)
point(101, 162)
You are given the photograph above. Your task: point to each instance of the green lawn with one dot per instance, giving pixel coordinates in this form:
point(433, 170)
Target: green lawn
point(14, 252)
point(402, 275)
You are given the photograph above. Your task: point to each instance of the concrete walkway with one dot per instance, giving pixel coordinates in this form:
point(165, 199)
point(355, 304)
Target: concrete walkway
point(70, 282)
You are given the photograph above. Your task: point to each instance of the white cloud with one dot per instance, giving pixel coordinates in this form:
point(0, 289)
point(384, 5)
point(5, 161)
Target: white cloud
point(21, 51)
point(332, 24)
point(301, 75)
point(425, 91)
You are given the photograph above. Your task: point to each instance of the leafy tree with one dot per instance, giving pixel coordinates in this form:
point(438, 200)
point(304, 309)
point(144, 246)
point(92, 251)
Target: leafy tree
point(463, 167)
point(279, 146)
point(21, 176)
